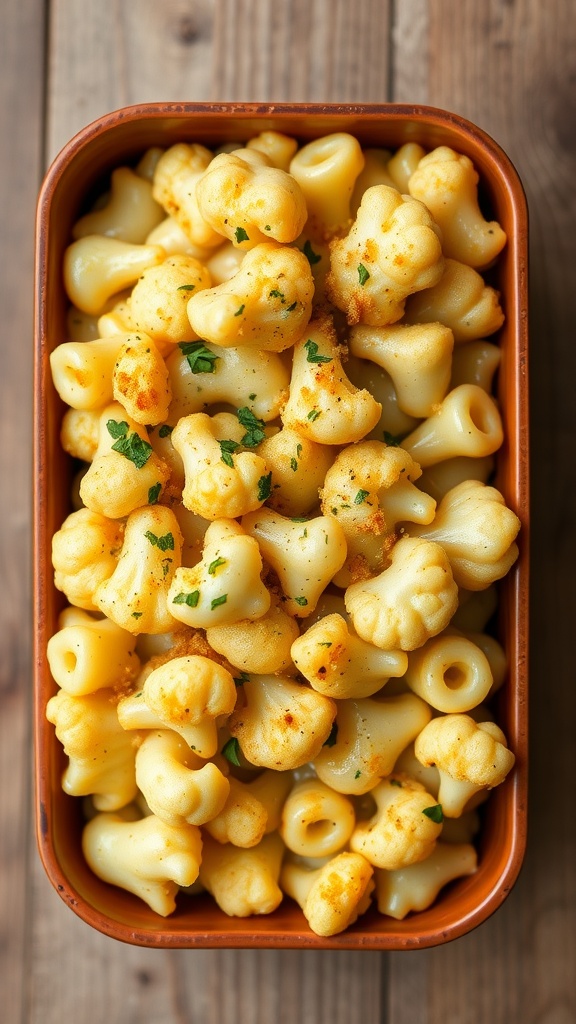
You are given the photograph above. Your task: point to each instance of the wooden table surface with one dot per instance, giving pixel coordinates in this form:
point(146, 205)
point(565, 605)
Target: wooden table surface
point(508, 65)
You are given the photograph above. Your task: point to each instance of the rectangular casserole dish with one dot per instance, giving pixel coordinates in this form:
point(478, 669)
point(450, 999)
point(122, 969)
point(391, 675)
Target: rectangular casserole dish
point(74, 177)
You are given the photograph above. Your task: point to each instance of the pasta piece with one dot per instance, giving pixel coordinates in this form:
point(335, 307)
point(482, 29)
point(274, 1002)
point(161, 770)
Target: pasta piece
point(316, 821)
point(326, 170)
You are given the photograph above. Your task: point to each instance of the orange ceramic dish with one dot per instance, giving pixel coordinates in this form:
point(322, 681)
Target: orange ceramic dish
point(75, 176)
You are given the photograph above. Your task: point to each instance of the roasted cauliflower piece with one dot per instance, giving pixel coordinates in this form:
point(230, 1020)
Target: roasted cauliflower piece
point(140, 381)
point(405, 827)
point(243, 882)
point(391, 251)
point(85, 551)
point(160, 297)
point(174, 187)
point(332, 896)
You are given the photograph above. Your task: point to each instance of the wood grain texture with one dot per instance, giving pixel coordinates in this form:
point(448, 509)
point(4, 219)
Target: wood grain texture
point(20, 117)
point(508, 65)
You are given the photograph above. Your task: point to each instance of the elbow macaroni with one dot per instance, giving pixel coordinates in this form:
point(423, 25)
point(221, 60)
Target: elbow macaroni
point(282, 513)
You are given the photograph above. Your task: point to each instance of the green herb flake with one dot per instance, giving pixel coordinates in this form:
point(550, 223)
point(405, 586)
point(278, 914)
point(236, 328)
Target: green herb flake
point(226, 450)
point(435, 813)
point(358, 774)
point(298, 450)
point(241, 679)
point(396, 782)
point(200, 358)
point(267, 227)
point(186, 288)
point(136, 615)
point(240, 310)
point(292, 307)
point(133, 448)
point(311, 256)
point(277, 294)
point(215, 565)
point(313, 414)
point(254, 427)
point(312, 353)
point(252, 396)
point(166, 563)
point(231, 751)
point(154, 493)
point(165, 429)
point(265, 487)
point(324, 643)
point(302, 601)
point(217, 601)
point(330, 742)
point(165, 543)
point(360, 497)
point(116, 428)
point(363, 274)
point(299, 519)
point(293, 465)
point(241, 235)
point(190, 599)
point(391, 439)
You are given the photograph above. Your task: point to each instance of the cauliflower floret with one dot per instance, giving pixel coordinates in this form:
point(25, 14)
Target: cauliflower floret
point(178, 786)
point(416, 887)
point(469, 756)
point(79, 433)
point(125, 473)
point(279, 723)
point(412, 600)
point(243, 882)
point(391, 251)
point(185, 694)
point(324, 406)
point(477, 531)
point(405, 827)
point(225, 586)
point(250, 202)
point(97, 267)
point(370, 489)
point(221, 483)
point(265, 305)
point(418, 359)
point(298, 467)
point(369, 737)
point(447, 183)
point(101, 755)
point(174, 187)
point(130, 213)
point(140, 381)
point(461, 300)
point(305, 555)
point(84, 554)
point(134, 595)
point(202, 375)
point(261, 646)
point(159, 300)
point(333, 896)
point(341, 665)
point(146, 857)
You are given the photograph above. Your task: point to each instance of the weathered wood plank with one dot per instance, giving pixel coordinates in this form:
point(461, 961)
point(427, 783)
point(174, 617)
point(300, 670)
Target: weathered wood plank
point(509, 66)
point(21, 113)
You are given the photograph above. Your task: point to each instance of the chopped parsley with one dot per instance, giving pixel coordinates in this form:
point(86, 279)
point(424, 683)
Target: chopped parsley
point(240, 310)
point(131, 446)
point(277, 294)
point(226, 450)
point(435, 813)
point(391, 439)
point(200, 358)
point(311, 256)
point(312, 353)
point(252, 396)
point(165, 429)
point(253, 426)
point(136, 615)
point(293, 464)
point(299, 519)
point(231, 751)
point(360, 497)
point(313, 414)
point(265, 487)
point(267, 227)
point(332, 737)
point(324, 643)
point(291, 308)
point(241, 235)
point(117, 429)
point(241, 679)
point(363, 274)
point(186, 288)
point(154, 493)
point(190, 599)
point(358, 774)
point(396, 782)
point(165, 543)
point(215, 565)
point(302, 601)
point(217, 601)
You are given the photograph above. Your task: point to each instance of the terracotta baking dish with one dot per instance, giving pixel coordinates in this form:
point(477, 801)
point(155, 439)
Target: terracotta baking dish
point(74, 178)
